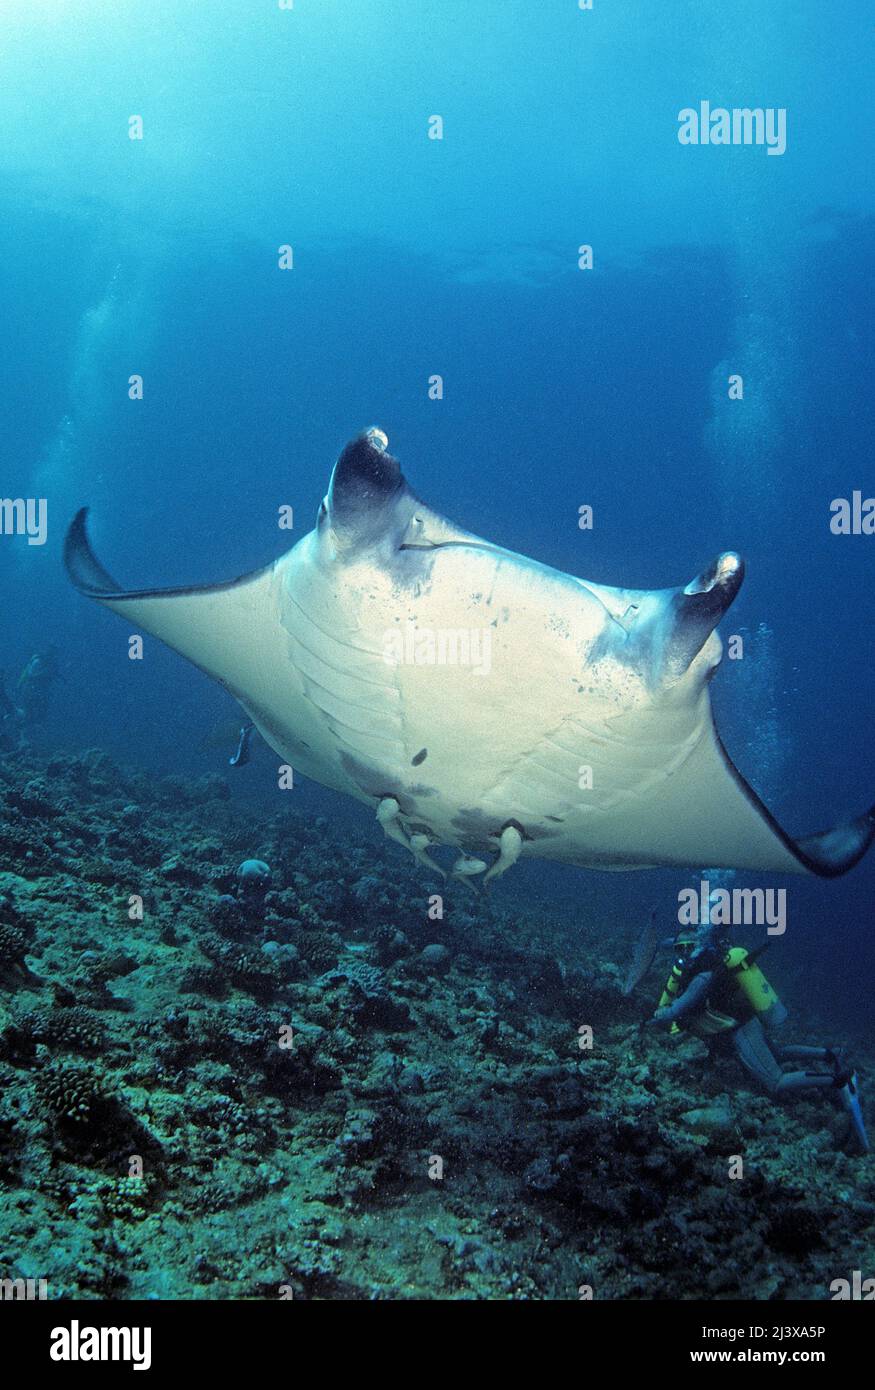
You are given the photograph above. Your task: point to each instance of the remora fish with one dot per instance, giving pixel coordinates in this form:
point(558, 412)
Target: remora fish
point(646, 946)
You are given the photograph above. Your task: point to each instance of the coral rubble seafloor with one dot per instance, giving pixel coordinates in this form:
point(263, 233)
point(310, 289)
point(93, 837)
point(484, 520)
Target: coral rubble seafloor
point(324, 1092)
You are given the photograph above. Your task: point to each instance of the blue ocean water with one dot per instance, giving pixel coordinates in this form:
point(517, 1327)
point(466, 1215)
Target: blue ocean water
point(309, 126)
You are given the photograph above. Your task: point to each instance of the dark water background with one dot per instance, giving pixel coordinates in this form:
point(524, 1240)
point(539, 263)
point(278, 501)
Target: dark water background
point(458, 257)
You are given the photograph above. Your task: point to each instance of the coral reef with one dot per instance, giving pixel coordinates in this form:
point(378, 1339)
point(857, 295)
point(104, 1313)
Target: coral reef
point(317, 1087)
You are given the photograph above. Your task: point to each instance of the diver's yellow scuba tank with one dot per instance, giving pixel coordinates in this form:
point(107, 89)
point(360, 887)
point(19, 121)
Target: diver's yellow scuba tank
point(673, 983)
point(743, 983)
point(750, 982)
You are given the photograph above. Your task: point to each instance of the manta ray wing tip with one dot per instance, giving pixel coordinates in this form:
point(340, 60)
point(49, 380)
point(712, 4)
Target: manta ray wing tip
point(831, 853)
point(84, 569)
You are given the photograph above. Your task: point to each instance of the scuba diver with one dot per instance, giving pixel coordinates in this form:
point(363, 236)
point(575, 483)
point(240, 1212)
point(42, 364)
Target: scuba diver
point(719, 993)
point(29, 701)
point(9, 728)
point(34, 685)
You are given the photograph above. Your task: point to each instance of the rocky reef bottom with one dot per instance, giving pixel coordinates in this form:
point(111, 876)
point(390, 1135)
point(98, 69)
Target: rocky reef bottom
point(326, 1092)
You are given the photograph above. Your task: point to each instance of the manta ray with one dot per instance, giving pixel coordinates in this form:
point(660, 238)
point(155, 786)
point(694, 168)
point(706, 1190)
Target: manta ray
point(586, 737)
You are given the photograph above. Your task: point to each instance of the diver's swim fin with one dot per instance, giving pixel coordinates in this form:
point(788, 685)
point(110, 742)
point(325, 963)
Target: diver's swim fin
point(849, 1094)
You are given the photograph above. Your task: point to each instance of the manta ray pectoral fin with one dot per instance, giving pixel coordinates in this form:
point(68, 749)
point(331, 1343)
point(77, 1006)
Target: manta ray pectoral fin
point(83, 566)
point(827, 853)
point(833, 852)
point(708, 813)
point(222, 628)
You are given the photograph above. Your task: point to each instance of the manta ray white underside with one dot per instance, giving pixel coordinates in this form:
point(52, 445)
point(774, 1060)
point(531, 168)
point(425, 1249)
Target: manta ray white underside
point(566, 719)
